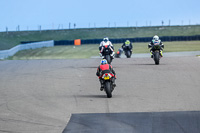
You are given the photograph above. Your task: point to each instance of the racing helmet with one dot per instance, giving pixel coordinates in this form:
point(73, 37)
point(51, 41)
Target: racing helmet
point(127, 42)
point(156, 38)
point(105, 39)
point(104, 61)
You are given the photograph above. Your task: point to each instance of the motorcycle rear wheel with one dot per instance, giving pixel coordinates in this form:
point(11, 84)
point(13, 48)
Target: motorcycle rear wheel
point(108, 89)
point(108, 58)
point(128, 54)
point(156, 58)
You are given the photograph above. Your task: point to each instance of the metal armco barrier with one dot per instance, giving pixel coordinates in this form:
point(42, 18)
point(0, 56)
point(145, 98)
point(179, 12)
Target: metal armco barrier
point(6, 53)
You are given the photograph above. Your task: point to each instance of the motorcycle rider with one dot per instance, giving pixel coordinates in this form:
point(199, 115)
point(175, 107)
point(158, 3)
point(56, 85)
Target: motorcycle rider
point(106, 42)
point(127, 43)
point(156, 38)
point(119, 52)
point(103, 68)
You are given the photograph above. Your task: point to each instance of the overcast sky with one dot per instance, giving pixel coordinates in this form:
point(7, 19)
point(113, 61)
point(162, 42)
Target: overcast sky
point(54, 14)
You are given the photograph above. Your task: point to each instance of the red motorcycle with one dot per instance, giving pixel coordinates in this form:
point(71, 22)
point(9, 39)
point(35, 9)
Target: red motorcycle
point(108, 79)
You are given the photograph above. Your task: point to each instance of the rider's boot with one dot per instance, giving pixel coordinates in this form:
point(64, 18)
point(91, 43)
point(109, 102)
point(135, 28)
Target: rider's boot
point(102, 85)
point(114, 85)
point(100, 54)
point(161, 54)
point(151, 54)
point(112, 55)
point(101, 88)
point(113, 82)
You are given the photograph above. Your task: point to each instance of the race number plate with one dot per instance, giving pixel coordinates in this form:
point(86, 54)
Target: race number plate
point(106, 77)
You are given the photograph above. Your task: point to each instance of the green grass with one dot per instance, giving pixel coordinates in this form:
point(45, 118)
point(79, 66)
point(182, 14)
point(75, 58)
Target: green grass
point(86, 51)
point(11, 39)
point(58, 52)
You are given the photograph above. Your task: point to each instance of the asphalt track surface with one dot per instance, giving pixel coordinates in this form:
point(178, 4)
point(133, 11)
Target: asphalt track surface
point(40, 96)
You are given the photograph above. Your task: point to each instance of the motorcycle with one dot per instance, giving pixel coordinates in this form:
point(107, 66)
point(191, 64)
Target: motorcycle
point(119, 52)
point(107, 79)
point(127, 50)
point(107, 53)
point(156, 48)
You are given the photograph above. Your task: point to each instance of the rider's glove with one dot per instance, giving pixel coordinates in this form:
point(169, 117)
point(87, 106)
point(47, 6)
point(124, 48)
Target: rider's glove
point(113, 53)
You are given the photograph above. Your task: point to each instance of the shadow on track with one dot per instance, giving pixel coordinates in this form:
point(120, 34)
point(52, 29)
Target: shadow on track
point(140, 122)
point(89, 67)
point(98, 96)
point(92, 96)
point(148, 64)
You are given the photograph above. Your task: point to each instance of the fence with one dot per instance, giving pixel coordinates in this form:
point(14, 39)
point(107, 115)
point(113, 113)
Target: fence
point(6, 53)
point(139, 39)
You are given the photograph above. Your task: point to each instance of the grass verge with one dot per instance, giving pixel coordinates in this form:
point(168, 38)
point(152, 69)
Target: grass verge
point(86, 51)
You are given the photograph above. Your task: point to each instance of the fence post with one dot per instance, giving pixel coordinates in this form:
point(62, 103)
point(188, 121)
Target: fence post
point(7, 30)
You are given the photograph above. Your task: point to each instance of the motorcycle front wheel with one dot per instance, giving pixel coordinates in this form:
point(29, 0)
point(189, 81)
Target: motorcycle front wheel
point(128, 54)
point(156, 58)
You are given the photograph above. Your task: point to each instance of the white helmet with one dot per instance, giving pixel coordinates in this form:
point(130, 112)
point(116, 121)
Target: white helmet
point(105, 39)
point(156, 38)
